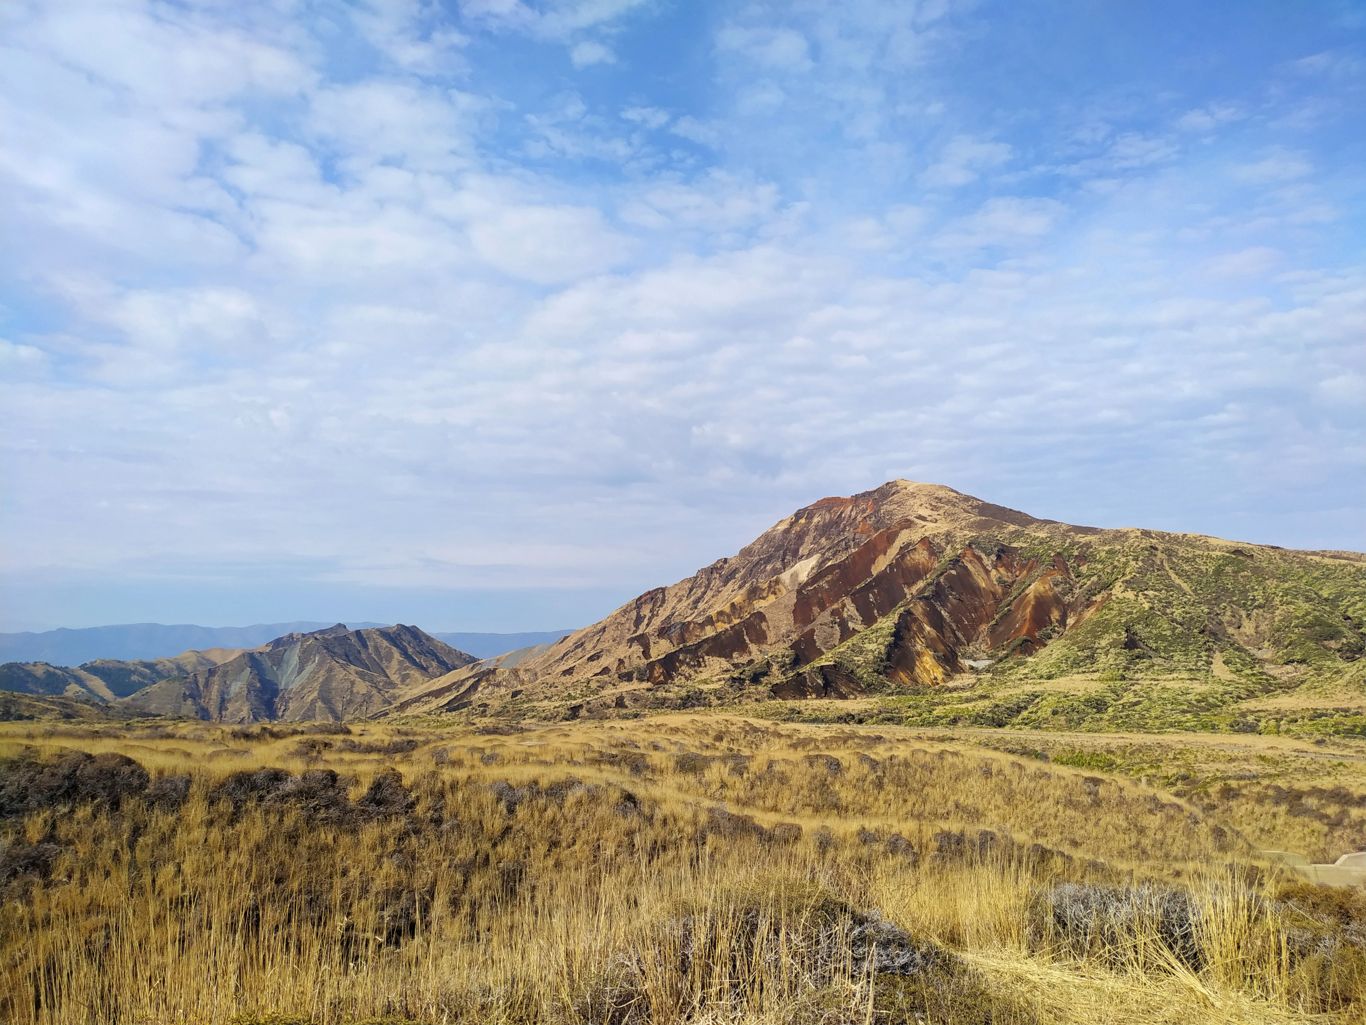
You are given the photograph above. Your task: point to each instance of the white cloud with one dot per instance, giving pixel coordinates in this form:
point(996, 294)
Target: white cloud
point(548, 245)
point(1002, 222)
point(266, 168)
point(779, 49)
point(647, 117)
point(1206, 119)
point(379, 121)
point(21, 358)
point(590, 52)
point(1134, 150)
point(760, 99)
point(1345, 389)
point(696, 130)
point(1329, 63)
point(1255, 260)
point(400, 29)
point(560, 21)
point(719, 203)
point(1276, 166)
point(963, 160)
point(275, 299)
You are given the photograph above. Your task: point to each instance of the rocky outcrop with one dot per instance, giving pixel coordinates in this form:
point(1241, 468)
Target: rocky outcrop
point(762, 576)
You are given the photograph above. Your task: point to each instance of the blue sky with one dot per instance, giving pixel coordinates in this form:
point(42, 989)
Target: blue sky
point(491, 314)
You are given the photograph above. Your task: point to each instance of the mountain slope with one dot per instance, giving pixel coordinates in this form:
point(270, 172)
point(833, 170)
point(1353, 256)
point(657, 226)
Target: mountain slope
point(492, 645)
point(104, 679)
point(912, 585)
point(330, 674)
point(35, 707)
point(138, 641)
point(153, 641)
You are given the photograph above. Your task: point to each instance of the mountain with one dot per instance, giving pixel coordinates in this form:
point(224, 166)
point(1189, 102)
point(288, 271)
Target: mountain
point(137, 641)
point(104, 679)
point(903, 589)
point(31, 707)
point(913, 585)
point(491, 645)
point(143, 641)
point(330, 674)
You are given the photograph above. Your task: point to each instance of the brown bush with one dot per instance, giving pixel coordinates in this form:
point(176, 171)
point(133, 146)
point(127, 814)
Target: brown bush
point(29, 784)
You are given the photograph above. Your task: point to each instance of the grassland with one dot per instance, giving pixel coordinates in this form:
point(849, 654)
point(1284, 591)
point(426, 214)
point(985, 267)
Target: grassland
point(697, 867)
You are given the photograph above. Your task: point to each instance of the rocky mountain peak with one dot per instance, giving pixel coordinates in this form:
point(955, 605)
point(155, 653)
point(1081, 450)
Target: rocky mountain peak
point(912, 584)
point(333, 674)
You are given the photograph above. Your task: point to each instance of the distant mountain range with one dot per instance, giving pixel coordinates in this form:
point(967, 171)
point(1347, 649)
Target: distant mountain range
point(150, 641)
point(330, 674)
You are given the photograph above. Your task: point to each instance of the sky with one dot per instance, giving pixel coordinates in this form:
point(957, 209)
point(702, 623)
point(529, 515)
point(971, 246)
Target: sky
point(491, 314)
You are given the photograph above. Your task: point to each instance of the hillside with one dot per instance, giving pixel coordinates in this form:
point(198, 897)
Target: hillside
point(913, 586)
point(153, 641)
point(139, 641)
point(946, 609)
point(105, 679)
point(493, 645)
point(330, 674)
point(15, 707)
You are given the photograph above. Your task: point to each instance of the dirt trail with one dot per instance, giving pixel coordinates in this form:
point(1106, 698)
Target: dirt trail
point(1176, 579)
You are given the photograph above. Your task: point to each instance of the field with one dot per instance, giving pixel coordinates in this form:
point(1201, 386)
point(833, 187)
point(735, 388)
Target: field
point(685, 867)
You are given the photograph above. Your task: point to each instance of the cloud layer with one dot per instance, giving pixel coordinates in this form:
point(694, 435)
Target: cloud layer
point(490, 315)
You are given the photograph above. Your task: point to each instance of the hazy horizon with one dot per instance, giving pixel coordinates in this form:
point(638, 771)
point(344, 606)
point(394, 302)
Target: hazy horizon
point(498, 313)
point(318, 624)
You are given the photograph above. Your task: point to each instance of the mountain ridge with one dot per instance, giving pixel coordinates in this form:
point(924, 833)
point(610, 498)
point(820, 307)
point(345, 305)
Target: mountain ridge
point(104, 680)
point(329, 674)
point(71, 647)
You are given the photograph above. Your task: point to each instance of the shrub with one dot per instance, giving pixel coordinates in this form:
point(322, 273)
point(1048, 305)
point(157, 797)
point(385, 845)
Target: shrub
point(28, 784)
point(1117, 924)
point(321, 795)
point(33, 860)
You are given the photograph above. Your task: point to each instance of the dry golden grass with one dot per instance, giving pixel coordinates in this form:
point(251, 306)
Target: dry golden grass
point(687, 868)
point(1280, 793)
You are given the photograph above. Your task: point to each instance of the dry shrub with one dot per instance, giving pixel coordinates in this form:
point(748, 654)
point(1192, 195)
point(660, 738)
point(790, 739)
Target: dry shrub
point(1326, 939)
point(322, 795)
point(33, 784)
point(796, 948)
point(1123, 925)
point(27, 861)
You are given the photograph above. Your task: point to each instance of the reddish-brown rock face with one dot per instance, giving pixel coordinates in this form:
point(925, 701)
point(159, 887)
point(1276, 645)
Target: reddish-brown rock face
point(823, 576)
point(1040, 606)
point(992, 605)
